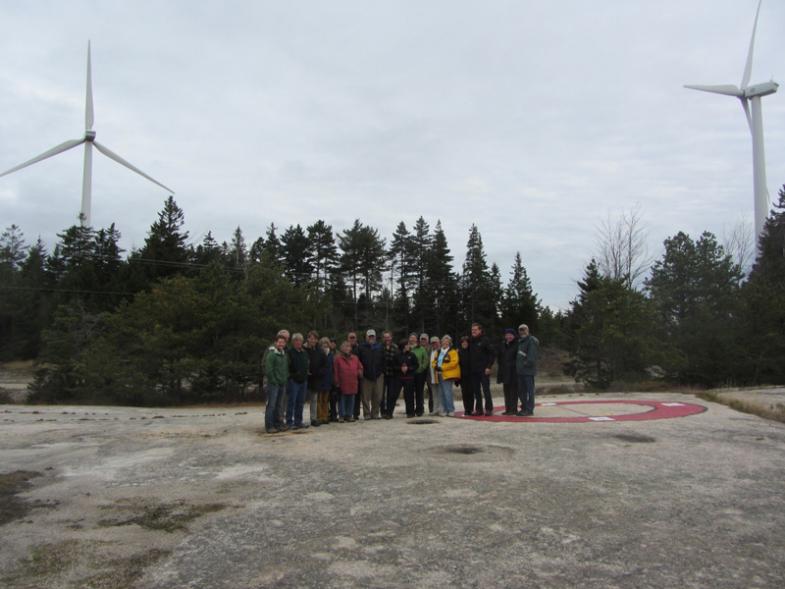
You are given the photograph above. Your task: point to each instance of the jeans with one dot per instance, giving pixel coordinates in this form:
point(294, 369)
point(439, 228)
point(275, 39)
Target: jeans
point(347, 406)
point(274, 394)
point(526, 392)
point(294, 410)
point(448, 404)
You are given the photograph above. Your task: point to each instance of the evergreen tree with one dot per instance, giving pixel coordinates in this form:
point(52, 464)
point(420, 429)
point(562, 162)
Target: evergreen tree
point(272, 245)
point(294, 252)
point(208, 252)
point(12, 248)
point(165, 252)
point(421, 241)
point(322, 253)
point(519, 303)
point(476, 285)
point(763, 328)
point(362, 262)
point(403, 267)
point(440, 299)
point(694, 288)
point(238, 253)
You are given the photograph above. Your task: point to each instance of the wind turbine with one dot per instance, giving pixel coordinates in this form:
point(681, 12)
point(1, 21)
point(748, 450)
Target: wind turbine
point(750, 101)
point(89, 142)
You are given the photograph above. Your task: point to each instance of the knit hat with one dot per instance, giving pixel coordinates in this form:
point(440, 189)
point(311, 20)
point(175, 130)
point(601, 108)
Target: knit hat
point(509, 330)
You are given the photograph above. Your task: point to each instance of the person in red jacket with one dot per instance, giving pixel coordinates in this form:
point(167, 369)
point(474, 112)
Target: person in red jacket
point(347, 372)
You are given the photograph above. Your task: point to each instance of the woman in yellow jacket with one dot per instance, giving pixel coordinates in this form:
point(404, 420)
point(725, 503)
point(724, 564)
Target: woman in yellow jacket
point(447, 368)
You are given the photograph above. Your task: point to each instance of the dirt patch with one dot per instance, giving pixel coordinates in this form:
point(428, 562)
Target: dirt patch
point(635, 438)
point(167, 517)
point(422, 421)
point(480, 452)
point(77, 562)
point(11, 484)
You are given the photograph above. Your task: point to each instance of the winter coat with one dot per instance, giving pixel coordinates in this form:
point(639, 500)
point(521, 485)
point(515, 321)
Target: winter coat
point(528, 352)
point(346, 373)
point(317, 364)
point(392, 360)
point(372, 359)
point(451, 365)
point(276, 367)
point(298, 364)
point(463, 360)
point(481, 355)
point(422, 354)
point(507, 354)
point(410, 361)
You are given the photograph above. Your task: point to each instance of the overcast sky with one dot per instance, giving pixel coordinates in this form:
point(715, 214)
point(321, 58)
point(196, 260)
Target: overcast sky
point(535, 120)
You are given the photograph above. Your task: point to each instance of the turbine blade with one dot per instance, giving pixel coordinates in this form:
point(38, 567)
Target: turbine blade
point(727, 89)
point(112, 155)
point(745, 105)
point(748, 67)
point(54, 151)
point(89, 119)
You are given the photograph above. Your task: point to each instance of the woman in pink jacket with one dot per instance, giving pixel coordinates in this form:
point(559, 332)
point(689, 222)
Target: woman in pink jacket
point(347, 372)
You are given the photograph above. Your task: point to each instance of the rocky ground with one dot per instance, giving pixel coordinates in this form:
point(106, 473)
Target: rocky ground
point(153, 498)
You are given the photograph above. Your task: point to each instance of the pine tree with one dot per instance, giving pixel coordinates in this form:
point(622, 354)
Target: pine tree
point(476, 285)
point(519, 303)
point(294, 252)
point(12, 248)
point(441, 297)
point(238, 253)
point(322, 253)
point(165, 252)
point(694, 288)
point(272, 245)
point(763, 325)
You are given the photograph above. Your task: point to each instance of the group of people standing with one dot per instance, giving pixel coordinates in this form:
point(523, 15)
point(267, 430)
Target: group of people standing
point(369, 376)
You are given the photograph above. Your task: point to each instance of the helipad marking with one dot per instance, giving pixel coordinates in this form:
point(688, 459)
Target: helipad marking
point(650, 410)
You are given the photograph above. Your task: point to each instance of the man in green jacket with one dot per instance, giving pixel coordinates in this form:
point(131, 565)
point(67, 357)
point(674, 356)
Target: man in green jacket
point(526, 366)
point(276, 369)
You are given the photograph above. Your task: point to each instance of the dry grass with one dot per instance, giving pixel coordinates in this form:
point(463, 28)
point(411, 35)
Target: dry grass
point(773, 412)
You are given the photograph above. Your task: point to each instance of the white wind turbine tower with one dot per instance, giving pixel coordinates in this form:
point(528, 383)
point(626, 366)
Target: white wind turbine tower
point(89, 142)
point(750, 101)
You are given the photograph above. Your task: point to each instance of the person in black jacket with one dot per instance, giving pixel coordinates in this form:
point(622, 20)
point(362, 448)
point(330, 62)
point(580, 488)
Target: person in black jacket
point(392, 365)
point(467, 393)
point(372, 385)
point(298, 382)
point(506, 374)
point(481, 358)
point(404, 379)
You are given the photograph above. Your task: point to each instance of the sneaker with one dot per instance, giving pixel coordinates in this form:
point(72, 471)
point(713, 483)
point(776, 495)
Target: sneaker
point(271, 430)
point(315, 422)
point(488, 413)
point(340, 420)
point(352, 419)
point(367, 417)
point(451, 414)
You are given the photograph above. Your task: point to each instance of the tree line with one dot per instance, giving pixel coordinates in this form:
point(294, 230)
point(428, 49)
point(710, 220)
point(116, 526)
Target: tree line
point(176, 321)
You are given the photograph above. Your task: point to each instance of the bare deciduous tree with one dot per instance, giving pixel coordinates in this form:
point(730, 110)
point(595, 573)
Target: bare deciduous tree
point(739, 243)
point(623, 254)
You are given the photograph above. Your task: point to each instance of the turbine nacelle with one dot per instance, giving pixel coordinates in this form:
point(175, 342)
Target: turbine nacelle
point(763, 89)
point(89, 136)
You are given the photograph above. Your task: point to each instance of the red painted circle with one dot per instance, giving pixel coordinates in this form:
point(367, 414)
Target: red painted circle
point(653, 410)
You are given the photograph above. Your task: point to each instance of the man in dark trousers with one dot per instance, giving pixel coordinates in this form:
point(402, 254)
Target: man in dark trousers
point(506, 373)
point(392, 364)
point(526, 365)
point(481, 359)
